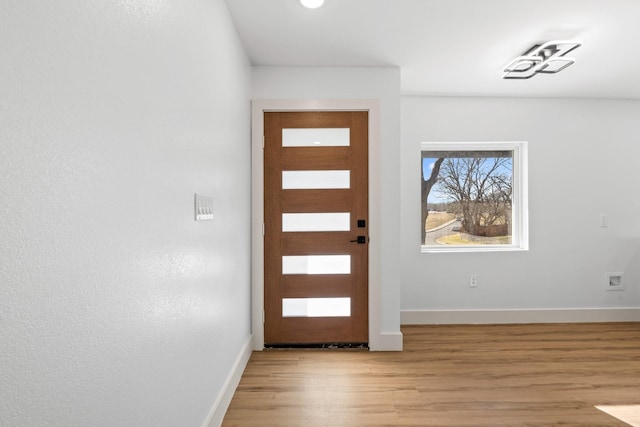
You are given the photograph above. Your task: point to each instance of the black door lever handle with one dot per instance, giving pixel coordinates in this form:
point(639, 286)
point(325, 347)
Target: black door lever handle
point(360, 240)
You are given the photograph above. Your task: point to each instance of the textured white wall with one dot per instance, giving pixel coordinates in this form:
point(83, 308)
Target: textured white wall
point(583, 162)
point(116, 307)
point(382, 84)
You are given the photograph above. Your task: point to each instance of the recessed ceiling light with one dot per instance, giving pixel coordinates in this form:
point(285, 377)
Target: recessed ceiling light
point(312, 4)
point(547, 58)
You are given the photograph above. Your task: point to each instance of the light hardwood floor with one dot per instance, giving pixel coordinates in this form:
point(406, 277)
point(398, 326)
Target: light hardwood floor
point(477, 375)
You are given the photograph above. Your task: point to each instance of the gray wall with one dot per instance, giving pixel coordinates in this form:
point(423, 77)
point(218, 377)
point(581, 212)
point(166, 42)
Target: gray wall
point(116, 307)
point(583, 162)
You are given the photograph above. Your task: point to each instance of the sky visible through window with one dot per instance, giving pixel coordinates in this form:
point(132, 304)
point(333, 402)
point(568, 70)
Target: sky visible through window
point(436, 196)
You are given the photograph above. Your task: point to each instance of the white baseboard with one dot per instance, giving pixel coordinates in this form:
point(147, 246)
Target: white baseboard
point(452, 317)
point(387, 341)
point(224, 398)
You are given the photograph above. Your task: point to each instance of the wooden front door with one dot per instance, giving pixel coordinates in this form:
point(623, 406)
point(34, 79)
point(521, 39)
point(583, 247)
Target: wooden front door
point(316, 228)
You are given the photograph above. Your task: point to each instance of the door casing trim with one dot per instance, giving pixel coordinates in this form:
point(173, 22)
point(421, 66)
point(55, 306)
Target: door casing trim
point(258, 107)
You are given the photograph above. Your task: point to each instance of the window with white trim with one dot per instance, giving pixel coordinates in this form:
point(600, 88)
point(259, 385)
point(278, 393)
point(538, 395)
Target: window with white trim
point(474, 196)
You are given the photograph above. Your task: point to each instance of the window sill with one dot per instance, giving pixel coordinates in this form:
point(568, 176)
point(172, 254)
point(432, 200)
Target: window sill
point(469, 249)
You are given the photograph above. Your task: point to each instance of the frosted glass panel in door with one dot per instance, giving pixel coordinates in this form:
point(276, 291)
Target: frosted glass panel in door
point(316, 307)
point(339, 221)
point(315, 180)
point(315, 137)
point(316, 264)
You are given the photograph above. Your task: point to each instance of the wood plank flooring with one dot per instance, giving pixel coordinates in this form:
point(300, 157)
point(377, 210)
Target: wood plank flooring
point(471, 375)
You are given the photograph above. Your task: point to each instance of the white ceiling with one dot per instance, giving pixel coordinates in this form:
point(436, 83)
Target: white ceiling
point(453, 47)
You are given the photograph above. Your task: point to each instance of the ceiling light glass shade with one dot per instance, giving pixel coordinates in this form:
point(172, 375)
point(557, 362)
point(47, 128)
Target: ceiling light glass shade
point(312, 4)
point(547, 58)
point(556, 65)
point(522, 63)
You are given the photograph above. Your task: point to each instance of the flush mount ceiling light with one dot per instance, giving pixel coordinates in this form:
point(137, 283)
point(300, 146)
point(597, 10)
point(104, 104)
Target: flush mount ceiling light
point(546, 58)
point(312, 4)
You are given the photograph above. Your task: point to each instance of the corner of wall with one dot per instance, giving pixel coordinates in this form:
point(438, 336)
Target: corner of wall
point(387, 341)
point(220, 406)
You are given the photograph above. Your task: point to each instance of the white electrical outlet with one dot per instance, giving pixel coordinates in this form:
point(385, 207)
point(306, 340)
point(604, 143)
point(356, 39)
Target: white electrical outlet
point(203, 207)
point(473, 281)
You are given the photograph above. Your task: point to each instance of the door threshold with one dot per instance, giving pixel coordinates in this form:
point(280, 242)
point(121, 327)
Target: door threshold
point(318, 346)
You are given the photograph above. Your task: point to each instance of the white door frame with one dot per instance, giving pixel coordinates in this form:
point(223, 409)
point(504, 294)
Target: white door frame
point(258, 108)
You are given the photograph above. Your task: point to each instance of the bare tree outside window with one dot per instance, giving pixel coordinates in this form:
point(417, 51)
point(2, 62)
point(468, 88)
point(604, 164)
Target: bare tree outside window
point(467, 197)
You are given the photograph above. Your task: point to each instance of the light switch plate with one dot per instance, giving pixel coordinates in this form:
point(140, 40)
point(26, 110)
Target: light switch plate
point(203, 207)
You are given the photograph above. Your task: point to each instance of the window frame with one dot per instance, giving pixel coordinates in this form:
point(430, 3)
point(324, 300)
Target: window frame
point(520, 197)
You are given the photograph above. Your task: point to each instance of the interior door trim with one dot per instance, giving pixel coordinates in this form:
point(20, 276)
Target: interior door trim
point(258, 107)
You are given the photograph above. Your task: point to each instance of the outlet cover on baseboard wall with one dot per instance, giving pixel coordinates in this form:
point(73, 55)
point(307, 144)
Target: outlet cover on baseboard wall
point(614, 282)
